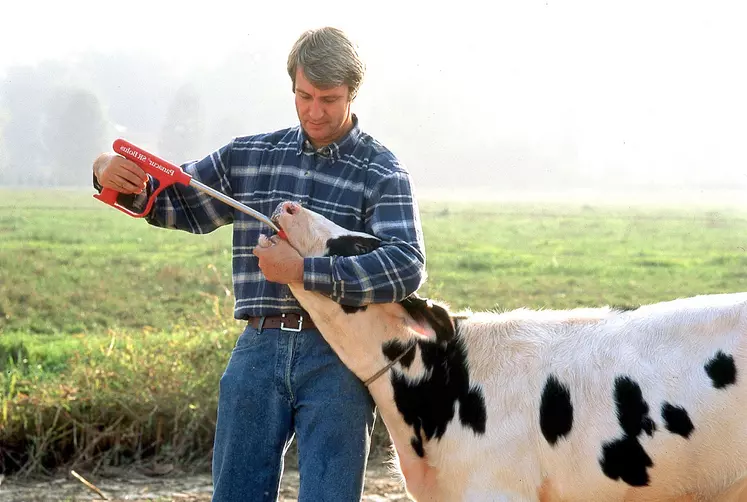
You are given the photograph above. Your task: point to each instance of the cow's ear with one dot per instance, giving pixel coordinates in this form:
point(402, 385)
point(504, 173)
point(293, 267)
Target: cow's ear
point(366, 245)
point(351, 245)
point(437, 316)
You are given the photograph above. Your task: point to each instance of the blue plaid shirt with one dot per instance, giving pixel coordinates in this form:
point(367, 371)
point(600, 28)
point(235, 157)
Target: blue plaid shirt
point(355, 182)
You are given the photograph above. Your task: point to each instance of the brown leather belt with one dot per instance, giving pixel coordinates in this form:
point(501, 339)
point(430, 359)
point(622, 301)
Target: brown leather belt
point(285, 322)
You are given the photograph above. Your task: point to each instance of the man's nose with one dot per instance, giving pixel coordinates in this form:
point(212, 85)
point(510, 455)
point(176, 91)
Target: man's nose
point(316, 111)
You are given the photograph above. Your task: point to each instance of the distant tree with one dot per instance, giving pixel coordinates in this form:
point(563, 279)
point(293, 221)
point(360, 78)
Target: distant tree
point(182, 134)
point(4, 162)
point(136, 88)
point(74, 132)
point(23, 93)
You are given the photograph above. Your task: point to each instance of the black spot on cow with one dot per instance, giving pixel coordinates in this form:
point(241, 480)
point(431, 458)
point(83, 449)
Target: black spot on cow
point(424, 310)
point(677, 420)
point(556, 410)
point(352, 245)
point(472, 410)
point(632, 410)
point(625, 458)
point(417, 444)
point(428, 404)
point(351, 309)
point(393, 348)
point(722, 370)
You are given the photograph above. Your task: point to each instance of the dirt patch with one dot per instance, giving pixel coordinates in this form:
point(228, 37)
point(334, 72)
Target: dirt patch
point(135, 486)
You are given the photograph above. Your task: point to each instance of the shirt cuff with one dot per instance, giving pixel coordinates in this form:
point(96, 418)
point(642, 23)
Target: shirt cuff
point(317, 274)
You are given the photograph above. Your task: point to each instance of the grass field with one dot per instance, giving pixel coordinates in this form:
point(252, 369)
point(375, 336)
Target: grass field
point(113, 334)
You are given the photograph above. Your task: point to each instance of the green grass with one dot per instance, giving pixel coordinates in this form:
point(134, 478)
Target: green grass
point(113, 334)
point(70, 264)
point(566, 256)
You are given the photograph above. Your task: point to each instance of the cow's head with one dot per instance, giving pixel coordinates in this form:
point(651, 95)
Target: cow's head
point(311, 234)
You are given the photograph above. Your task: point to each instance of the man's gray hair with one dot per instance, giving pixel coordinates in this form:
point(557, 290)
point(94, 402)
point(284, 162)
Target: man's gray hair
point(328, 59)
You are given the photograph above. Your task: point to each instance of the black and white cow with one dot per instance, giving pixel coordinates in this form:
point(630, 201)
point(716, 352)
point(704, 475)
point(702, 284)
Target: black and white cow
point(596, 404)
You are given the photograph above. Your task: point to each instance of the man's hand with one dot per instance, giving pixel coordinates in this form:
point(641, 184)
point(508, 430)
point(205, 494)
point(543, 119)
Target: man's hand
point(278, 261)
point(118, 173)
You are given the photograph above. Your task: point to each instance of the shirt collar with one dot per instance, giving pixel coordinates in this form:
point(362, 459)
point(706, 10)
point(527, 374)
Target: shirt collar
point(333, 150)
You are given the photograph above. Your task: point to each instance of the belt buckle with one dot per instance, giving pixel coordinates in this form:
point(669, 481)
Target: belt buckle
point(300, 324)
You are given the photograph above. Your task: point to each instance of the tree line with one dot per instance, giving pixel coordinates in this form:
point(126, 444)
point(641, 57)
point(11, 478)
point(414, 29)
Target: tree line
point(56, 117)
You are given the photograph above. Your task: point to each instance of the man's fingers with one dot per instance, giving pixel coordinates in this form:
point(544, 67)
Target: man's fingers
point(124, 176)
point(263, 242)
point(132, 172)
point(127, 186)
point(129, 179)
point(123, 184)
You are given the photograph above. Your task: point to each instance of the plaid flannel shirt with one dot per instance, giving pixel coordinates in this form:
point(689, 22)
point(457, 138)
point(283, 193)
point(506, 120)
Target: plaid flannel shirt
point(355, 182)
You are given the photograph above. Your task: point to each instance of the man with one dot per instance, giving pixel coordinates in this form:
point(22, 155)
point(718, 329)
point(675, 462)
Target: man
point(282, 378)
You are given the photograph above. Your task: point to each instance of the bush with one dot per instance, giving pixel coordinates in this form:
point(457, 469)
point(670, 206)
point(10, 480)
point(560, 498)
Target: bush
point(125, 399)
point(122, 399)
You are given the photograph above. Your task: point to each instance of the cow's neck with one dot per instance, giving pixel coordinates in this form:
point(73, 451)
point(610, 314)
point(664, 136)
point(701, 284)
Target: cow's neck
point(420, 477)
point(361, 354)
point(357, 339)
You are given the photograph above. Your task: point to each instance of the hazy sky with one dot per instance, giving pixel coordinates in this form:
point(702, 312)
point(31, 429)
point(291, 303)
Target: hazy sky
point(648, 86)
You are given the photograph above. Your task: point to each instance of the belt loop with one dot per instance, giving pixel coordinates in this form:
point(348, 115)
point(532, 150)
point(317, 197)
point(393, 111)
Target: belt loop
point(261, 323)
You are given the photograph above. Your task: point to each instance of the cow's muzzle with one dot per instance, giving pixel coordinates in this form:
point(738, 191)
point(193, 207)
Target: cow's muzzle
point(284, 207)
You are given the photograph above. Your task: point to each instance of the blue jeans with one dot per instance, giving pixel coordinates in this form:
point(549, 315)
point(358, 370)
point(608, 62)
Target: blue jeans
point(277, 384)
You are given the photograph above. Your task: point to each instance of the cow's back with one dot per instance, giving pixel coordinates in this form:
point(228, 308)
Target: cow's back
point(604, 401)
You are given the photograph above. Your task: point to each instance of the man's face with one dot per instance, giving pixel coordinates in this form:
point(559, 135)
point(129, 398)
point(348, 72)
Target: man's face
point(324, 113)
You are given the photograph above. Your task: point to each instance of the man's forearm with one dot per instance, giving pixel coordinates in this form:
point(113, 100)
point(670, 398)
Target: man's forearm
point(385, 275)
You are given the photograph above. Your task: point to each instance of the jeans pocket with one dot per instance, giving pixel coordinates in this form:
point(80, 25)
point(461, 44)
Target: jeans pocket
point(248, 339)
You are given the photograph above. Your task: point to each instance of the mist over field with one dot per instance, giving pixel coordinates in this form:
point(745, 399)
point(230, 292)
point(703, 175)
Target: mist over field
point(576, 99)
